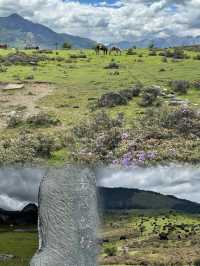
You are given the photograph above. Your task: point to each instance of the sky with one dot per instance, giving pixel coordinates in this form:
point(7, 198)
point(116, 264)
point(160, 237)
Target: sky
point(111, 21)
point(19, 186)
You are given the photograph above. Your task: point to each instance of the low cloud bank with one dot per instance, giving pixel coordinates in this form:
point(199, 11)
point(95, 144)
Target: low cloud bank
point(20, 186)
point(182, 181)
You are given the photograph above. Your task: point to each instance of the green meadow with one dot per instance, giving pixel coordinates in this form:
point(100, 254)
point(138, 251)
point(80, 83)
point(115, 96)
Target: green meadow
point(66, 84)
point(134, 236)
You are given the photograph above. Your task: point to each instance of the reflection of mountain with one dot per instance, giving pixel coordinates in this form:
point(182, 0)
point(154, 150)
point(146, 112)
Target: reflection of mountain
point(27, 216)
point(17, 31)
point(124, 198)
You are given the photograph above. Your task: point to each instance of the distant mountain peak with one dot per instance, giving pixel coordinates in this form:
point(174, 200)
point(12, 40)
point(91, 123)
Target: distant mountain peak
point(15, 15)
point(17, 31)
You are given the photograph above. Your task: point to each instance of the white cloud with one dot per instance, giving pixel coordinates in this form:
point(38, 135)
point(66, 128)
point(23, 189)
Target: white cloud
point(125, 19)
point(20, 186)
point(182, 181)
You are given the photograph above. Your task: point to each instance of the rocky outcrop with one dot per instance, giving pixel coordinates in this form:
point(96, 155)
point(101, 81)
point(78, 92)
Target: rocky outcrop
point(67, 219)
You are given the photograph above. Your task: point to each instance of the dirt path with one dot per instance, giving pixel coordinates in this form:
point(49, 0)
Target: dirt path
point(22, 99)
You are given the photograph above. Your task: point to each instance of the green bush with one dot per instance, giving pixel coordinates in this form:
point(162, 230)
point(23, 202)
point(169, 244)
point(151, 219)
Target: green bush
point(180, 86)
point(110, 250)
point(42, 119)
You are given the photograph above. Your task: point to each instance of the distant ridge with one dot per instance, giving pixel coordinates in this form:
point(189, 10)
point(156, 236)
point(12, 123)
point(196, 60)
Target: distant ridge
point(124, 198)
point(17, 32)
point(171, 41)
point(111, 199)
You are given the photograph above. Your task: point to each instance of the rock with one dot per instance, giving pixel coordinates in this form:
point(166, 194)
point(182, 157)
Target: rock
point(111, 99)
point(5, 257)
point(67, 218)
point(11, 86)
point(176, 102)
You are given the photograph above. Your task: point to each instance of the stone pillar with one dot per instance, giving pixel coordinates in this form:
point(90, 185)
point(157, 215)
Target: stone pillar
point(68, 218)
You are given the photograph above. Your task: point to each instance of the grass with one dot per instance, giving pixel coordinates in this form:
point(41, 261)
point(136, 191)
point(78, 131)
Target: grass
point(20, 244)
point(79, 80)
point(141, 247)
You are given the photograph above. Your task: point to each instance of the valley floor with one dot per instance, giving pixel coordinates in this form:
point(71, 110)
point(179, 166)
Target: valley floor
point(128, 238)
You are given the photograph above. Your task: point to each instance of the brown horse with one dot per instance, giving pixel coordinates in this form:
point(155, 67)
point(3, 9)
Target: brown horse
point(115, 49)
point(3, 46)
point(101, 47)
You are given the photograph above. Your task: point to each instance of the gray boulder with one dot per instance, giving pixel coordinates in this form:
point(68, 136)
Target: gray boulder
point(67, 219)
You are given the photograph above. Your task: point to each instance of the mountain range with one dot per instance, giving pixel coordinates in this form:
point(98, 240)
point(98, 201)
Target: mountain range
point(111, 199)
point(127, 199)
point(19, 32)
point(171, 41)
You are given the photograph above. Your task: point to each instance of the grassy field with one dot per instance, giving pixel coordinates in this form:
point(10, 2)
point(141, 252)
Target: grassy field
point(67, 84)
point(78, 79)
point(139, 245)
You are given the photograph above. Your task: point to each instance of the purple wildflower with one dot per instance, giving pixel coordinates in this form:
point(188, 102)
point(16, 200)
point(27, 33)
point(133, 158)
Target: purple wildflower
point(124, 136)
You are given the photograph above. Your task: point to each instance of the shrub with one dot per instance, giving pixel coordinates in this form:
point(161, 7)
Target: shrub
point(27, 147)
point(98, 138)
point(196, 84)
point(152, 53)
point(147, 99)
point(131, 51)
point(66, 45)
point(14, 120)
point(112, 99)
point(149, 96)
point(154, 90)
point(112, 65)
point(164, 59)
point(110, 250)
point(42, 119)
point(183, 120)
point(76, 56)
point(196, 262)
point(197, 57)
point(180, 86)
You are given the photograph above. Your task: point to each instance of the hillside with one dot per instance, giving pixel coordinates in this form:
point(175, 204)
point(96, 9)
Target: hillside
point(19, 32)
point(28, 215)
point(124, 198)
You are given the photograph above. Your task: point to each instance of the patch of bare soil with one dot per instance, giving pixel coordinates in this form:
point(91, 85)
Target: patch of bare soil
point(21, 98)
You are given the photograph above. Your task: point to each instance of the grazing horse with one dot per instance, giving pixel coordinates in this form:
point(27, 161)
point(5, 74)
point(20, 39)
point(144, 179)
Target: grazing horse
point(3, 46)
point(32, 48)
point(115, 49)
point(101, 47)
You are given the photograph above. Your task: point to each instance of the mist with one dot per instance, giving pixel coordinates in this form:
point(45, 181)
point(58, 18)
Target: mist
point(19, 186)
point(182, 181)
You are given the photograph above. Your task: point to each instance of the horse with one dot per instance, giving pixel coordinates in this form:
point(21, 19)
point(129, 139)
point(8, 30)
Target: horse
point(115, 49)
point(3, 46)
point(32, 48)
point(101, 47)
